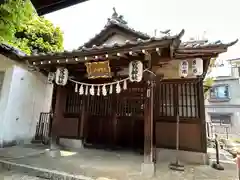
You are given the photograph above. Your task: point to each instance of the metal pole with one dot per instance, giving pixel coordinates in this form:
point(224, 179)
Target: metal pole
point(238, 166)
point(217, 150)
point(217, 165)
point(227, 132)
point(177, 165)
point(177, 135)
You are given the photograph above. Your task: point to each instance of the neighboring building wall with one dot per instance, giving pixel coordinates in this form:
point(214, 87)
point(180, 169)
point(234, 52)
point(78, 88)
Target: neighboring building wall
point(24, 95)
point(225, 108)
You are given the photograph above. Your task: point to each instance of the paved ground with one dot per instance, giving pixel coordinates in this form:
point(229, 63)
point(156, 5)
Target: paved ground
point(11, 175)
point(107, 164)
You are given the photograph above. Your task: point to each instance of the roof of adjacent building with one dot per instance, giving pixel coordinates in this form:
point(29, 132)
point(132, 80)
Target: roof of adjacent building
point(47, 6)
point(11, 51)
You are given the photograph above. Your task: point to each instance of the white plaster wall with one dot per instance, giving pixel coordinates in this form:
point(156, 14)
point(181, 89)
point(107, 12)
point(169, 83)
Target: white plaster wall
point(25, 95)
point(6, 67)
point(118, 38)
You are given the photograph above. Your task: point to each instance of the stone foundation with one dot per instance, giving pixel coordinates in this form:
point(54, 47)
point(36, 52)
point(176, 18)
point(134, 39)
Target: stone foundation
point(189, 157)
point(4, 143)
point(148, 170)
point(71, 143)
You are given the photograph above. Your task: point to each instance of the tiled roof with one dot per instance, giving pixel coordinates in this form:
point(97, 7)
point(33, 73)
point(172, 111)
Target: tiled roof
point(203, 44)
point(203, 49)
point(117, 21)
point(6, 48)
point(94, 50)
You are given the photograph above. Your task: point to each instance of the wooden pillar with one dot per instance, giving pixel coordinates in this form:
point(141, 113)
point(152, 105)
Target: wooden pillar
point(82, 117)
point(148, 167)
point(84, 120)
point(114, 101)
point(57, 119)
point(114, 119)
point(59, 110)
point(201, 111)
point(148, 124)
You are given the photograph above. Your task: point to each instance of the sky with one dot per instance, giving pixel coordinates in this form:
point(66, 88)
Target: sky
point(219, 19)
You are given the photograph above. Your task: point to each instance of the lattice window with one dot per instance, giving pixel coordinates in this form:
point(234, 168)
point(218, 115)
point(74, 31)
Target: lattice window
point(100, 105)
point(188, 101)
point(164, 99)
point(131, 102)
point(168, 93)
point(73, 103)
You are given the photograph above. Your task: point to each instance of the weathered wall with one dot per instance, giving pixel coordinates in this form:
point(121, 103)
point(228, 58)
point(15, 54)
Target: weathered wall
point(25, 94)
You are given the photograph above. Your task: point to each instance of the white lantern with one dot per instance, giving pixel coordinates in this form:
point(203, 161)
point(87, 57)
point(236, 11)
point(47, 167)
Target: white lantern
point(135, 71)
point(197, 67)
point(51, 76)
point(61, 76)
point(183, 68)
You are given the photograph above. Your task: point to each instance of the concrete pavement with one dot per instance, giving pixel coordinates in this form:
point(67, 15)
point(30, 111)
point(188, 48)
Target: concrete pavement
point(90, 164)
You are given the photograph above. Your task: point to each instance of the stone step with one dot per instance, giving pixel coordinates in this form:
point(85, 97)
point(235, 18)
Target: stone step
point(12, 175)
point(40, 172)
point(36, 141)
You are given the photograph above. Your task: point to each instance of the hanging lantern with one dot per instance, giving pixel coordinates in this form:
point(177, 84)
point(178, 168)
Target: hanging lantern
point(183, 68)
point(135, 71)
point(197, 67)
point(51, 76)
point(61, 76)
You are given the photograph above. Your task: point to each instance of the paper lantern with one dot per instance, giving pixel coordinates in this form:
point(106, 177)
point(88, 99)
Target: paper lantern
point(61, 76)
point(183, 68)
point(51, 76)
point(197, 67)
point(135, 71)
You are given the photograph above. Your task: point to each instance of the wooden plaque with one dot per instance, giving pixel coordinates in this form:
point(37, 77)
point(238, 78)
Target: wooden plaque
point(98, 70)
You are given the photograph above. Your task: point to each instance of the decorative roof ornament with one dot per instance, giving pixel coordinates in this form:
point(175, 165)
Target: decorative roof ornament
point(117, 18)
point(166, 32)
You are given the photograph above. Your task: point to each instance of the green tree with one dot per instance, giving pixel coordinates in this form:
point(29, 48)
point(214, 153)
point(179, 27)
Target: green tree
point(21, 27)
point(39, 35)
point(13, 14)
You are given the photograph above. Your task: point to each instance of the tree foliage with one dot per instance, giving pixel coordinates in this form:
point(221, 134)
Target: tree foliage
point(13, 14)
point(39, 35)
point(21, 27)
point(209, 80)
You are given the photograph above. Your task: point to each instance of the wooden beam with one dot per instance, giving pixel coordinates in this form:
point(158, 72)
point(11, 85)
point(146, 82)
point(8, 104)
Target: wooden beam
point(149, 149)
point(59, 109)
point(202, 116)
point(148, 46)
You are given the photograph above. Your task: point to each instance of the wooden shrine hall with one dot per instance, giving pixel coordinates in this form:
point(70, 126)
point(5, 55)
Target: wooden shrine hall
point(125, 90)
